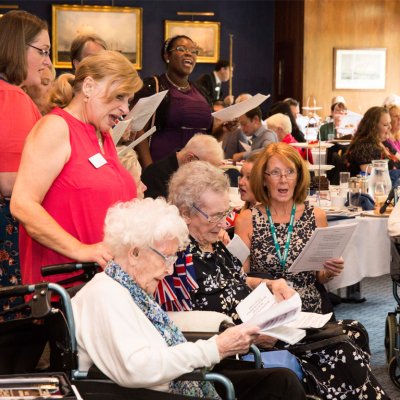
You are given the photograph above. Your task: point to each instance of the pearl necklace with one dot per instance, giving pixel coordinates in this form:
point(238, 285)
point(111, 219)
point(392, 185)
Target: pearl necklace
point(175, 85)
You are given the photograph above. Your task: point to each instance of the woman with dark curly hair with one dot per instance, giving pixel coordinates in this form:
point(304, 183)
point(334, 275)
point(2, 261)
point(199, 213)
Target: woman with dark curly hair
point(370, 142)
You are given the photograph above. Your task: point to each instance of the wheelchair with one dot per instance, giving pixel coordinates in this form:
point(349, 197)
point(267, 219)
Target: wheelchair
point(70, 381)
point(392, 326)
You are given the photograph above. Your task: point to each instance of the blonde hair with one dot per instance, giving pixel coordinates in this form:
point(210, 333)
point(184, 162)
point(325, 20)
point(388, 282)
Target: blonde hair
point(129, 160)
point(109, 65)
point(288, 154)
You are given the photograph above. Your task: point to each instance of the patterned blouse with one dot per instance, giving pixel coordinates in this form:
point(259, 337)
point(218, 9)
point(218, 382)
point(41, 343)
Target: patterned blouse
point(263, 256)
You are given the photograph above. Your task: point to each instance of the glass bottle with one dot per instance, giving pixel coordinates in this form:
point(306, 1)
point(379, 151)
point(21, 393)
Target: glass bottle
point(379, 175)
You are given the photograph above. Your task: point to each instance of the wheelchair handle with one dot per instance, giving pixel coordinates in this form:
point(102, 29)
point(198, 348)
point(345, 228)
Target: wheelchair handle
point(67, 267)
point(18, 290)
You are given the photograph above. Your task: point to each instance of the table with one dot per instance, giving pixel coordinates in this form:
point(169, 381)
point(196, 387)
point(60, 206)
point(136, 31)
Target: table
point(367, 254)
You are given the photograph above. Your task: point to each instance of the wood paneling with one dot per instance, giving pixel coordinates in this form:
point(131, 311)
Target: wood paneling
point(288, 49)
point(349, 24)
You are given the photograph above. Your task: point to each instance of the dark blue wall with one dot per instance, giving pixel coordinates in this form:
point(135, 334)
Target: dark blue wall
point(250, 22)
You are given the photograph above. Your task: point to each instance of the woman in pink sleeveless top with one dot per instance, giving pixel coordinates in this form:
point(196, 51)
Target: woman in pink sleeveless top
point(70, 173)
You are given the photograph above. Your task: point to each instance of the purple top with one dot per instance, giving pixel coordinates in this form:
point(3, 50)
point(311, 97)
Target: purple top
point(395, 144)
point(189, 113)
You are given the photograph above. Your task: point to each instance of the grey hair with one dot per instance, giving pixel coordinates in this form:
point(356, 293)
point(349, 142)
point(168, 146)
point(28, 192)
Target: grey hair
point(142, 223)
point(206, 148)
point(191, 180)
point(280, 120)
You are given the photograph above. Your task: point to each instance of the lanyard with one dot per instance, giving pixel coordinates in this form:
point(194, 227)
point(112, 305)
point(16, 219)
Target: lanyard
point(282, 260)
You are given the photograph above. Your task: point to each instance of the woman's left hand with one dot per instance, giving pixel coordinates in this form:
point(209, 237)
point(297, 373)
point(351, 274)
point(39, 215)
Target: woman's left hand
point(280, 289)
point(334, 266)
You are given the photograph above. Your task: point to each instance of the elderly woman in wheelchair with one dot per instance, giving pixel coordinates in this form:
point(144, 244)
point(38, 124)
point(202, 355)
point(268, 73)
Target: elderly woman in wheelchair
point(123, 332)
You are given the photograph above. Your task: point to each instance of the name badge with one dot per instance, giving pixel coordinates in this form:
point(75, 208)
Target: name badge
point(97, 160)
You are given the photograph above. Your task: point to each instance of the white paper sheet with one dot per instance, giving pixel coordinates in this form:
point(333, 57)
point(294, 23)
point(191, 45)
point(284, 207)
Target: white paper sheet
point(238, 248)
point(137, 141)
point(286, 334)
point(138, 117)
point(144, 109)
point(307, 320)
point(120, 129)
point(260, 308)
point(325, 243)
point(236, 110)
point(246, 146)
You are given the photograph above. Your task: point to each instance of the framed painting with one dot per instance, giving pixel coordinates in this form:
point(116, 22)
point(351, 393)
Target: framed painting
point(119, 27)
point(204, 33)
point(359, 69)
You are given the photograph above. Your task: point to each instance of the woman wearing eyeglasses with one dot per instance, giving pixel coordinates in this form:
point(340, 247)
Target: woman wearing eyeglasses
point(185, 109)
point(277, 229)
point(24, 54)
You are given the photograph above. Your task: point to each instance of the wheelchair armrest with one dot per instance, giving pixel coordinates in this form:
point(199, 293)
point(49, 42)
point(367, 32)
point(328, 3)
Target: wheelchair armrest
point(200, 375)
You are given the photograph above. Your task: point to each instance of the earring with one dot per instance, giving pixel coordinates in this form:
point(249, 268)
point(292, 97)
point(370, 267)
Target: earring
point(86, 99)
point(167, 61)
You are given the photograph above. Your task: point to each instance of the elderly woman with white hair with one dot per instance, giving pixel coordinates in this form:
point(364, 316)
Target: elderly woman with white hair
point(123, 331)
point(281, 125)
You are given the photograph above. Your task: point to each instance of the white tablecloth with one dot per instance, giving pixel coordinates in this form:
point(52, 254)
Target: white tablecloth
point(367, 254)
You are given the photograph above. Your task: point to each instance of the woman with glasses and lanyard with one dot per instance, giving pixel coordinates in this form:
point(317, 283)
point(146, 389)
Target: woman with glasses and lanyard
point(277, 229)
point(24, 54)
point(185, 109)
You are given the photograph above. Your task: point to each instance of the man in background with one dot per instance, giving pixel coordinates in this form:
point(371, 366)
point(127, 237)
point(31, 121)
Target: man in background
point(211, 83)
point(85, 45)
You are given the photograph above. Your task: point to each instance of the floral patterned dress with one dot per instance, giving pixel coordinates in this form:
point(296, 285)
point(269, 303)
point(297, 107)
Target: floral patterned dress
point(263, 256)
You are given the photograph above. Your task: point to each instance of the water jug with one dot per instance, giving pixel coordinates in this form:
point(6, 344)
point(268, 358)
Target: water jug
point(379, 177)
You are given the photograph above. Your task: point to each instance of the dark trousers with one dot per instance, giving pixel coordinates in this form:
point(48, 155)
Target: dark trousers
point(260, 384)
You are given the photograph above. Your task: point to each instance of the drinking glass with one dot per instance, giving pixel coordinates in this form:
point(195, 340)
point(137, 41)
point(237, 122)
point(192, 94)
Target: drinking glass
point(344, 179)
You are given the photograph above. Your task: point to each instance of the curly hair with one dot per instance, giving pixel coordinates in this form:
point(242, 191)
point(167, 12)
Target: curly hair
point(191, 180)
point(368, 130)
point(289, 155)
point(142, 223)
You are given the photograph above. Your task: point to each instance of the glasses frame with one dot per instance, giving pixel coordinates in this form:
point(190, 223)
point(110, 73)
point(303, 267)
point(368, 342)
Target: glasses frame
point(286, 175)
point(169, 261)
point(184, 49)
point(42, 52)
point(209, 219)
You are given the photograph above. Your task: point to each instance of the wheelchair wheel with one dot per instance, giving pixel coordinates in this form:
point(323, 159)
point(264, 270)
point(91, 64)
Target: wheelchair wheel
point(394, 372)
point(390, 336)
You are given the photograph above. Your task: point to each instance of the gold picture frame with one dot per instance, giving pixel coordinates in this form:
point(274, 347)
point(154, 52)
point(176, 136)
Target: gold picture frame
point(205, 34)
point(120, 27)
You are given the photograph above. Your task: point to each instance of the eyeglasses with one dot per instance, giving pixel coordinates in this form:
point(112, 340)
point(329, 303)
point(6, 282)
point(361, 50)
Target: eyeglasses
point(183, 49)
point(42, 52)
point(213, 218)
point(276, 174)
point(169, 261)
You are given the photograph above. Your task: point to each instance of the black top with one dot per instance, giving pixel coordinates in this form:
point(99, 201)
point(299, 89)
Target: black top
point(156, 176)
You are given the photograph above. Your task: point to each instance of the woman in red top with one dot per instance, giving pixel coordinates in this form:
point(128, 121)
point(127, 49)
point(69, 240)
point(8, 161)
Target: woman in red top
point(70, 173)
point(24, 53)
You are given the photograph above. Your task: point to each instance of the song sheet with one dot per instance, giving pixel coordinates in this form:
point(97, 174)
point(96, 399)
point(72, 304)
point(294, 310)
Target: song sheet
point(261, 308)
point(324, 244)
point(139, 115)
point(137, 141)
point(236, 110)
point(238, 248)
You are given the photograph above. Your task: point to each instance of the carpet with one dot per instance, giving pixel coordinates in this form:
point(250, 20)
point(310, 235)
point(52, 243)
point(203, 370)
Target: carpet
point(372, 314)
